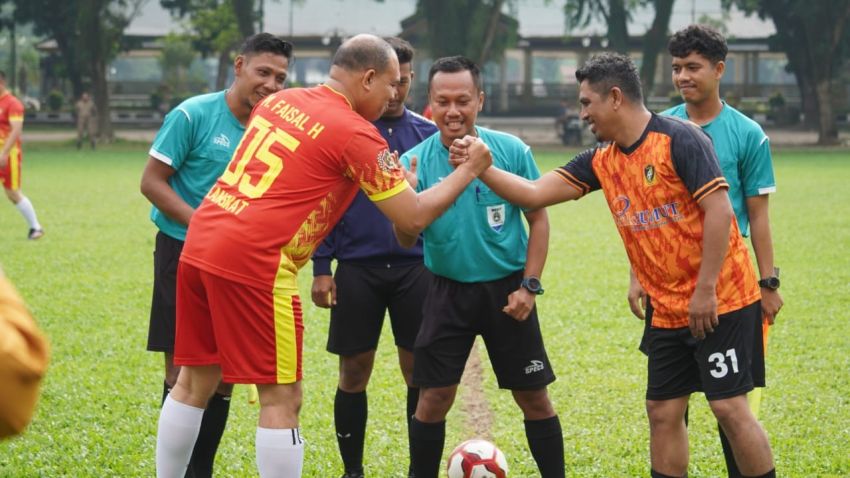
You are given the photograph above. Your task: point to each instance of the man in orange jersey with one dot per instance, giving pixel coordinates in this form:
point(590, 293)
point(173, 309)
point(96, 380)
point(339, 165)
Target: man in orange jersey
point(663, 185)
point(11, 126)
point(305, 154)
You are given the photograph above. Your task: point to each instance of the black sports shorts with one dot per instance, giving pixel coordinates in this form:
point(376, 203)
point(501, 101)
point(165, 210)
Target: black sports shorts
point(722, 365)
point(758, 369)
point(455, 313)
point(166, 256)
point(363, 296)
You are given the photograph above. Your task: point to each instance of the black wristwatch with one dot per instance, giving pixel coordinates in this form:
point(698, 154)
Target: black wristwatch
point(772, 282)
point(533, 285)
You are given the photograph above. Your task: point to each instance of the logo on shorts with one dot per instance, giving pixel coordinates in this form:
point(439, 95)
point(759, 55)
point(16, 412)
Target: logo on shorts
point(496, 217)
point(649, 175)
point(536, 366)
point(222, 140)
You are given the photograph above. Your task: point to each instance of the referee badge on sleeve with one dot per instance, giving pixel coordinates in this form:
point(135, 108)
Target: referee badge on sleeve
point(496, 217)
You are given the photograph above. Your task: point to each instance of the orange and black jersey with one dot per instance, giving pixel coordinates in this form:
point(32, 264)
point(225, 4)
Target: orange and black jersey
point(653, 189)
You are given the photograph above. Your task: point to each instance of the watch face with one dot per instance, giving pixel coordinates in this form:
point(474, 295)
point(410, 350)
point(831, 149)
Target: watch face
point(533, 283)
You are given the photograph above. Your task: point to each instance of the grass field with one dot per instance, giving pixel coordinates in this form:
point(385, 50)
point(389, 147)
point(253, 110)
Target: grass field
point(88, 282)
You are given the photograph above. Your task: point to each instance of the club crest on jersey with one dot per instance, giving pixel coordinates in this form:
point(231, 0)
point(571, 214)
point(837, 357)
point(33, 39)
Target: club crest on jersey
point(496, 217)
point(386, 162)
point(222, 140)
point(649, 175)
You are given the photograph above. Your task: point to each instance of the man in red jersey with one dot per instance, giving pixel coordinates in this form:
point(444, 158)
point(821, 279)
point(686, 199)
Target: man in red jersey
point(304, 155)
point(11, 126)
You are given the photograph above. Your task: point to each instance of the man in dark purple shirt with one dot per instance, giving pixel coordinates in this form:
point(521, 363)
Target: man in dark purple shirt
point(374, 274)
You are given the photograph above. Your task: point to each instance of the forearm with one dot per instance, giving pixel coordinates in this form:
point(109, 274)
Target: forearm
point(760, 236)
point(433, 202)
point(515, 189)
point(715, 244)
point(168, 202)
point(538, 243)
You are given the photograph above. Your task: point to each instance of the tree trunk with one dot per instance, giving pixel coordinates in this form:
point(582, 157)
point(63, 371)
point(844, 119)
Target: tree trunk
point(618, 33)
point(827, 130)
point(244, 11)
point(653, 43)
point(223, 68)
point(490, 34)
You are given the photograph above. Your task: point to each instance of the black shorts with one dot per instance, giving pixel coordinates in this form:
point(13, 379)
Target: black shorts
point(721, 365)
point(455, 313)
point(364, 294)
point(758, 365)
point(166, 256)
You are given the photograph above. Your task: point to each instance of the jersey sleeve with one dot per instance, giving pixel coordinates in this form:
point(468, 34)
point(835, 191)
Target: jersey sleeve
point(370, 164)
point(527, 166)
point(579, 174)
point(757, 165)
point(16, 111)
point(323, 254)
point(696, 161)
point(173, 141)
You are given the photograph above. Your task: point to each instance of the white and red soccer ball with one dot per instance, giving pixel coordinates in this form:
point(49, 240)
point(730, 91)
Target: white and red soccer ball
point(477, 459)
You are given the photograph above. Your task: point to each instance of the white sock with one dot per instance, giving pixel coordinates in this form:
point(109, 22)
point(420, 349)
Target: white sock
point(280, 452)
point(26, 209)
point(179, 425)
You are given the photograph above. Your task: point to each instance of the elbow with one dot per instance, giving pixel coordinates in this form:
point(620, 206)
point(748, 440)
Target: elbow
point(146, 187)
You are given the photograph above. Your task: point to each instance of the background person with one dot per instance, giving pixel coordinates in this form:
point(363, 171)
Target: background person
point(86, 112)
point(191, 150)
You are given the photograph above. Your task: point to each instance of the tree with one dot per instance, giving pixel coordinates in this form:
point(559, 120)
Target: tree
point(617, 14)
point(654, 42)
point(815, 36)
point(212, 28)
point(476, 29)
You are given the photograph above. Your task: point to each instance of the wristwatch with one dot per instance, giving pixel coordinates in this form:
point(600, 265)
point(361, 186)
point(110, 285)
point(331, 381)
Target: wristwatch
point(772, 282)
point(533, 285)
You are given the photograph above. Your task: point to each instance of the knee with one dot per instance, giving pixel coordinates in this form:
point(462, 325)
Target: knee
point(731, 413)
point(225, 389)
point(354, 374)
point(434, 404)
point(535, 405)
point(661, 414)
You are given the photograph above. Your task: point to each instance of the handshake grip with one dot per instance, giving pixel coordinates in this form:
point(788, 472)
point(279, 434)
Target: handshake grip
point(472, 152)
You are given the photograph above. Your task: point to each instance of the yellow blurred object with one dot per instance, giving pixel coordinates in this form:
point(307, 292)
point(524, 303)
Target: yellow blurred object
point(24, 354)
point(253, 395)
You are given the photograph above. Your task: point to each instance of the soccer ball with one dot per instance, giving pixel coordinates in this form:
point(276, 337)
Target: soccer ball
point(477, 459)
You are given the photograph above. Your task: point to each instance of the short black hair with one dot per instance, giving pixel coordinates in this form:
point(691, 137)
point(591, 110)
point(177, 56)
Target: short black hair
point(700, 39)
point(266, 43)
point(607, 70)
point(454, 64)
point(403, 49)
point(363, 52)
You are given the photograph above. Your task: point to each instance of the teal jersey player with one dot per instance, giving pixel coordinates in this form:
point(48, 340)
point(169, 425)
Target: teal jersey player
point(483, 229)
point(197, 140)
point(744, 153)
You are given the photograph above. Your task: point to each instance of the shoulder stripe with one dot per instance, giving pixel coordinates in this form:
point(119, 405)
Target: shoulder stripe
point(763, 140)
point(420, 117)
point(183, 110)
point(156, 154)
point(710, 187)
point(767, 190)
point(582, 187)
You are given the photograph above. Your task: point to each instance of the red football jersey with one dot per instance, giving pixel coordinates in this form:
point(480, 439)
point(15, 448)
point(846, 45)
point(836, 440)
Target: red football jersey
point(303, 157)
point(11, 109)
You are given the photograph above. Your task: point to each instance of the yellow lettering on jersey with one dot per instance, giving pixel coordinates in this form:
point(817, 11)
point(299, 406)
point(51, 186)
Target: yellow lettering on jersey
point(316, 130)
point(268, 101)
point(226, 201)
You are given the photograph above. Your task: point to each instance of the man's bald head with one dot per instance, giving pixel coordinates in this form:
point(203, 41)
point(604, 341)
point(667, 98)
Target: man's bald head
point(364, 52)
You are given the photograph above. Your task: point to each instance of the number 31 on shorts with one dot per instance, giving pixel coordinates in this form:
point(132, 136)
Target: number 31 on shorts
point(261, 137)
point(719, 360)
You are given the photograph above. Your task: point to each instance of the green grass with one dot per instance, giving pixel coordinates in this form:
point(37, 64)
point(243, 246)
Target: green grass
point(88, 282)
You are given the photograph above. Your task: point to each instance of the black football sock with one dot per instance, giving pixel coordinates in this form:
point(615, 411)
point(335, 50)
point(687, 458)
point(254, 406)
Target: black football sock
point(769, 474)
point(546, 441)
point(655, 474)
point(426, 446)
point(731, 465)
point(212, 427)
point(412, 402)
point(350, 414)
